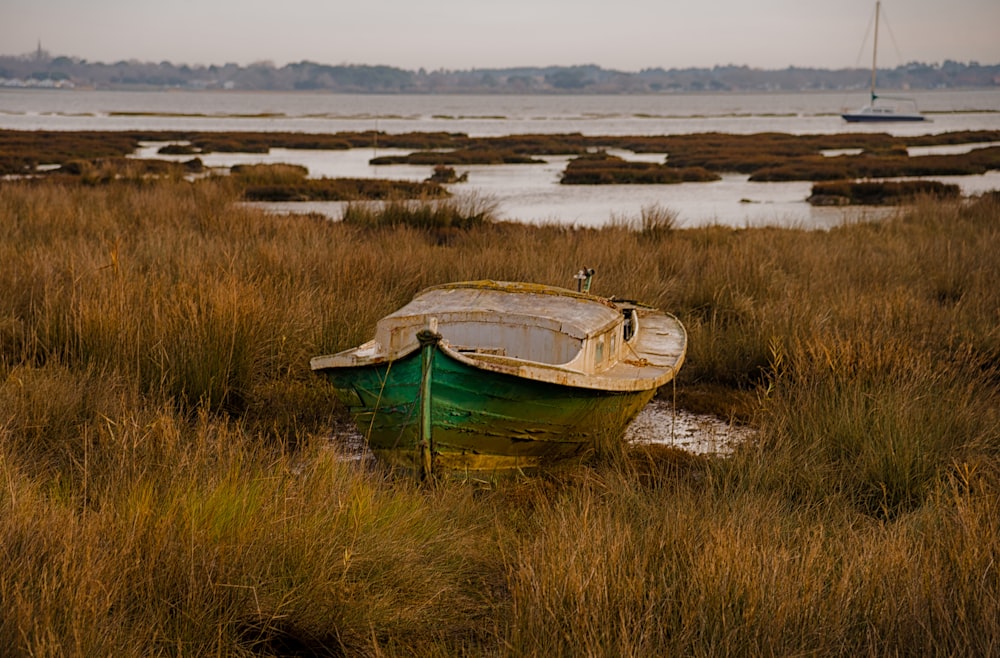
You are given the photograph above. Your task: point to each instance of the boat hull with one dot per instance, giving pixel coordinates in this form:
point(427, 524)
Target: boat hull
point(885, 118)
point(481, 422)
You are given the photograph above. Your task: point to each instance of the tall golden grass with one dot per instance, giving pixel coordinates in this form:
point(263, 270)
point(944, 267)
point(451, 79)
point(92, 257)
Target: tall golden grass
point(168, 484)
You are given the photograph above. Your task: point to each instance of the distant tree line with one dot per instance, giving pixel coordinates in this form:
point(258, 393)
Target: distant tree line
point(41, 69)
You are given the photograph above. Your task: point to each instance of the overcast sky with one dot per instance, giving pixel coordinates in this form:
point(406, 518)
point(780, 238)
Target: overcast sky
point(463, 34)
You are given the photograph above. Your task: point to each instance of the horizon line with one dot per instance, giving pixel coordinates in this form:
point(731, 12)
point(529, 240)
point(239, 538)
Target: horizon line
point(40, 51)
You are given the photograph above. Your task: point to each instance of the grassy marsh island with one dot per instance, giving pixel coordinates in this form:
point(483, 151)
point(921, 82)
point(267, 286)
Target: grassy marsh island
point(173, 481)
point(687, 158)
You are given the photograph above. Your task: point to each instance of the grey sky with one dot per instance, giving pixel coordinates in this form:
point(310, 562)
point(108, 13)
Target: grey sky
point(463, 34)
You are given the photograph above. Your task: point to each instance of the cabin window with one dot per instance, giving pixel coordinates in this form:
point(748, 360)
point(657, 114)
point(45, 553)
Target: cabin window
point(629, 324)
point(512, 337)
point(599, 350)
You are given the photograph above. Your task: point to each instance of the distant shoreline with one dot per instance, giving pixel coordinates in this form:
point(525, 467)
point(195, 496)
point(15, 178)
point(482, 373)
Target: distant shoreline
point(41, 70)
point(499, 94)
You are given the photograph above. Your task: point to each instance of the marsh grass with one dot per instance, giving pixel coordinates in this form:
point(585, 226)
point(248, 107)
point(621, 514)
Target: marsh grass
point(462, 213)
point(700, 156)
point(169, 485)
point(880, 192)
point(269, 174)
point(890, 165)
point(286, 182)
point(469, 156)
point(603, 169)
point(654, 222)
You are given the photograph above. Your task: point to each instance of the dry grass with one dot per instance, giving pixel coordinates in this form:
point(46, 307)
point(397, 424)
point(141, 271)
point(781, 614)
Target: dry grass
point(168, 485)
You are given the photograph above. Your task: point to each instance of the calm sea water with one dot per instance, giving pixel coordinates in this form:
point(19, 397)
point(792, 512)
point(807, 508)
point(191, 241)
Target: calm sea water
point(529, 193)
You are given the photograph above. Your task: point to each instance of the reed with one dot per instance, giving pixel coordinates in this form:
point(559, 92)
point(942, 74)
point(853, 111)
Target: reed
point(463, 213)
point(655, 222)
point(173, 479)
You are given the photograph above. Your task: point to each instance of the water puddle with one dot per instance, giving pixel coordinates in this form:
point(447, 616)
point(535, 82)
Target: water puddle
point(701, 434)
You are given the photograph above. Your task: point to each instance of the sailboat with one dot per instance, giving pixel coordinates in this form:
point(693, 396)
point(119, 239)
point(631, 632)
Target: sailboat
point(879, 113)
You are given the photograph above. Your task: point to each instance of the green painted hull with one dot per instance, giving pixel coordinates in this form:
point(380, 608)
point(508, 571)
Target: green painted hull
point(481, 421)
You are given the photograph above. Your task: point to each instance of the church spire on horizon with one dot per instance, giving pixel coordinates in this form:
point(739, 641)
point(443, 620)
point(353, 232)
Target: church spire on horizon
point(41, 55)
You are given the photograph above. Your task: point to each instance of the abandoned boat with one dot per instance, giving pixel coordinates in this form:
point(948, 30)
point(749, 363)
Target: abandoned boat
point(483, 377)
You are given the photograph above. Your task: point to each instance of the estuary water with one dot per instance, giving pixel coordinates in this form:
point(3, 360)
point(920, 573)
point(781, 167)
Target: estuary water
point(527, 193)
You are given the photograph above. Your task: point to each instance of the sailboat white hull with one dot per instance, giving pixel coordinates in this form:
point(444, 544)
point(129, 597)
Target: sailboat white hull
point(878, 114)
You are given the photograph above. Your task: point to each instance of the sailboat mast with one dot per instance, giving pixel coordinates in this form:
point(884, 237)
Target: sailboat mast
point(871, 112)
point(878, 10)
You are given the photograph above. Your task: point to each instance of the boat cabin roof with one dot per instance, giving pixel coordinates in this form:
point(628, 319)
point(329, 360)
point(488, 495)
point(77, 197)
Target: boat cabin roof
point(575, 314)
